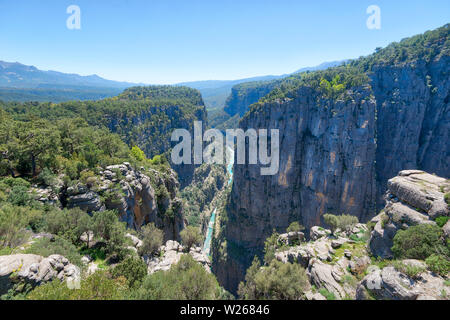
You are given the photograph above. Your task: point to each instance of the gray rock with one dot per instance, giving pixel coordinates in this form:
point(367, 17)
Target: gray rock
point(36, 270)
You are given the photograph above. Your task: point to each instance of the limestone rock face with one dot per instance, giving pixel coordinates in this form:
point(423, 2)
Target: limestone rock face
point(134, 197)
point(413, 197)
point(35, 270)
point(391, 284)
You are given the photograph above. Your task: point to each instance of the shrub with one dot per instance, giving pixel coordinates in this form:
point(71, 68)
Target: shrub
point(295, 227)
point(98, 286)
point(187, 280)
point(107, 226)
point(152, 239)
point(47, 177)
point(68, 223)
point(191, 236)
point(344, 222)
point(327, 294)
point(46, 247)
point(14, 221)
point(441, 221)
point(278, 281)
point(418, 242)
point(270, 247)
point(132, 269)
point(408, 269)
point(438, 264)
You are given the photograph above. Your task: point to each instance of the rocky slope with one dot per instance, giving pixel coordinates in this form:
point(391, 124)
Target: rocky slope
point(337, 152)
point(139, 196)
point(358, 264)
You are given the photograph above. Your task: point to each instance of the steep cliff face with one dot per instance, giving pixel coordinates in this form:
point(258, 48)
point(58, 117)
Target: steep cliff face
point(337, 154)
point(413, 113)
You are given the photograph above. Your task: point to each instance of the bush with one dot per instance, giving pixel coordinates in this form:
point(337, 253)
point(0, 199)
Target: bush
point(327, 294)
point(441, 221)
point(191, 236)
point(14, 222)
point(418, 242)
point(132, 269)
point(98, 286)
point(408, 269)
point(46, 247)
point(69, 224)
point(270, 247)
point(187, 280)
point(152, 239)
point(438, 264)
point(344, 222)
point(107, 226)
point(47, 177)
point(278, 281)
point(295, 227)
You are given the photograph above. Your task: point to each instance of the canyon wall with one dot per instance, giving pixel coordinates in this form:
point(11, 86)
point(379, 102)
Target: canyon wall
point(336, 156)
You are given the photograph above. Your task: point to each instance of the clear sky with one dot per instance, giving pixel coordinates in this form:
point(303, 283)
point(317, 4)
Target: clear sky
point(169, 41)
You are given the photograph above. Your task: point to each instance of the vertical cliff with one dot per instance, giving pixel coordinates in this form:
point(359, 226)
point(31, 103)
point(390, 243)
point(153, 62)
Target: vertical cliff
point(343, 133)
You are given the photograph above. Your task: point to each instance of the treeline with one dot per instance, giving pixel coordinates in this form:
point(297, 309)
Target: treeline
point(142, 116)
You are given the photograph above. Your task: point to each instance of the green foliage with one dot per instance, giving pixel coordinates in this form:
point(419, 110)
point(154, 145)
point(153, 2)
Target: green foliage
point(132, 269)
point(327, 294)
point(14, 222)
point(419, 242)
point(46, 247)
point(270, 247)
point(107, 226)
point(98, 286)
point(277, 281)
point(191, 236)
point(187, 280)
point(438, 264)
point(408, 269)
point(138, 154)
point(67, 146)
point(152, 239)
point(441, 221)
point(68, 223)
point(142, 116)
point(295, 227)
point(344, 222)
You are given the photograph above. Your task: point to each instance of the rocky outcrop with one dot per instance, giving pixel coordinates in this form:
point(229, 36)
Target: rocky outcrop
point(413, 197)
point(391, 284)
point(171, 253)
point(139, 196)
point(35, 270)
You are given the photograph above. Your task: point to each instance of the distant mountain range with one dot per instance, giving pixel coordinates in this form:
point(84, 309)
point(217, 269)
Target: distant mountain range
point(19, 82)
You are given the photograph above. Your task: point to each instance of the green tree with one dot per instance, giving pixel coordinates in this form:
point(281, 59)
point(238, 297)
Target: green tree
point(133, 269)
point(295, 227)
point(152, 239)
point(98, 286)
point(419, 242)
point(191, 236)
point(187, 280)
point(277, 281)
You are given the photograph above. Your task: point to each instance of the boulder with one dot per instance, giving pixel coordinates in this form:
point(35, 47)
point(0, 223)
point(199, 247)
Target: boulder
point(321, 275)
point(35, 270)
point(318, 232)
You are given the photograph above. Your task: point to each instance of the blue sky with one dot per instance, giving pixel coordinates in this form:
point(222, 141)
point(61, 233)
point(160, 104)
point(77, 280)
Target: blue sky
point(169, 41)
